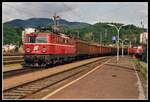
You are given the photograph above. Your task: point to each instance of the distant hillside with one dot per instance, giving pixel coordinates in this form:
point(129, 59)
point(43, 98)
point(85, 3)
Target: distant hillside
point(43, 22)
point(12, 30)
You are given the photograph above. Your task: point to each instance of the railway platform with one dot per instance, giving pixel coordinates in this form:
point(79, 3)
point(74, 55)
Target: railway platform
point(110, 81)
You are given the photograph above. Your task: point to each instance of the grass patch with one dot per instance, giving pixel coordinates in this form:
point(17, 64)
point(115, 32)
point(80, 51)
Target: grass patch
point(141, 68)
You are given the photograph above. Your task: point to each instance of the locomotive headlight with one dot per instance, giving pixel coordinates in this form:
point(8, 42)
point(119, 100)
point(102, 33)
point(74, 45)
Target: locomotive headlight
point(36, 48)
point(44, 49)
point(28, 49)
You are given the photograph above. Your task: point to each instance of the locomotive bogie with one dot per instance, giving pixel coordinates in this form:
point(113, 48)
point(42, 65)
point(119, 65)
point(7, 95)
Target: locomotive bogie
point(46, 60)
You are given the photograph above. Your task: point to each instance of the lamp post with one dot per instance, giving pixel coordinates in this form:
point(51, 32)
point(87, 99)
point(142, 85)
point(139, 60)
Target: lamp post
point(118, 29)
point(78, 34)
point(122, 46)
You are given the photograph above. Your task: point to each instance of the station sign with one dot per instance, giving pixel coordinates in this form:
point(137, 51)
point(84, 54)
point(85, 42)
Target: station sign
point(113, 39)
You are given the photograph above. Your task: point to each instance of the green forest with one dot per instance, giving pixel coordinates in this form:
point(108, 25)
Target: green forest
point(90, 33)
point(101, 32)
point(12, 35)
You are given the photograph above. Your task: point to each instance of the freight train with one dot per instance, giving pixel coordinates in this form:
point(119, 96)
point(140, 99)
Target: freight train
point(44, 49)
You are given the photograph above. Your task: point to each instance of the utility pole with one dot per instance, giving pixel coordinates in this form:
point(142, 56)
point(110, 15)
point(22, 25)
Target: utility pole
point(56, 23)
point(135, 39)
point(122, 48)
point(105, 33)
point(142, 24)
point(101, 38)
point(78, 34)
point(92, 36)
point(55, 19)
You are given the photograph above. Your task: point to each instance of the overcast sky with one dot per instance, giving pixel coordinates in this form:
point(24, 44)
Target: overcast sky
point(93, 12)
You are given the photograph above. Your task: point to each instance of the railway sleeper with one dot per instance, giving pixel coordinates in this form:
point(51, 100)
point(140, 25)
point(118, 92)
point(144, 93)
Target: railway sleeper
point(12, 97)
point(28, 89)
point(20, 91)
point(14, 94)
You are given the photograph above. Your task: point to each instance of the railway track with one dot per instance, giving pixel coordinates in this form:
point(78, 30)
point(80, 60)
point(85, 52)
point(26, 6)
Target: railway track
point(21, 71)
point(30, 88)
point(16, 54)
point(12, 59)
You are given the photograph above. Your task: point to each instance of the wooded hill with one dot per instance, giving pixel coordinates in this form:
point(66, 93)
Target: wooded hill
point(102, 30)
point(12, 32)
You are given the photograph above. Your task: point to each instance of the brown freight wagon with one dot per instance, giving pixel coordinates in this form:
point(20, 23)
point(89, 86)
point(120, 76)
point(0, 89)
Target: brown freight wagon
point(102, 50)
point(94, 49)
point(82, 49)
point(85, 49)
point(105, 50)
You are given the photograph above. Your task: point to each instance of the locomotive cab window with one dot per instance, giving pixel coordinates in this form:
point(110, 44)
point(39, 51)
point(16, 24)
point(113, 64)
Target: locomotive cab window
point(41, 40)
point(31, 39)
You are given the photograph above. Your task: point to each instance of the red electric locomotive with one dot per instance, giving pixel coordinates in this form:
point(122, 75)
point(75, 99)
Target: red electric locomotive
point(136, 50)
point(46, 48)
